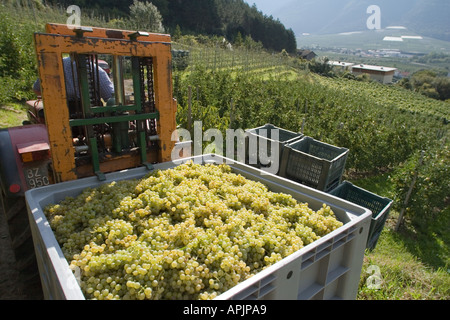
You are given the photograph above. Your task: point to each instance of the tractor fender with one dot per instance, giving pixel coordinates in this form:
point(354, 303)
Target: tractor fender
point(11, 166)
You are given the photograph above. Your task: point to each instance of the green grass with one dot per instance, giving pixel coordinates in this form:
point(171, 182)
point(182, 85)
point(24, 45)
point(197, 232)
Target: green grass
point(404, 276)
point(12, 114)
point(414, 262)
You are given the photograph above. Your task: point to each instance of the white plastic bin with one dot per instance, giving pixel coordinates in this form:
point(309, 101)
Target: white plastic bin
point(328, 268)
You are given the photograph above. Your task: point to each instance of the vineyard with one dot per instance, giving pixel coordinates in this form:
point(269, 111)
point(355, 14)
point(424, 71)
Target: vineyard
point(391, 96)
point(221, 56)
point(387, 129)
point(381, 125)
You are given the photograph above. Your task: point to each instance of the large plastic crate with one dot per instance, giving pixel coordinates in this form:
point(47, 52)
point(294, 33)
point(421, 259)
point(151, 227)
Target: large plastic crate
point(314, 163)
point(380, 207)
point(256, 139)
point(328, 268)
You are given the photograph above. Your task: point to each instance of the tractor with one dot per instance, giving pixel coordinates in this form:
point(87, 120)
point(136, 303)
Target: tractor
point(71, 138)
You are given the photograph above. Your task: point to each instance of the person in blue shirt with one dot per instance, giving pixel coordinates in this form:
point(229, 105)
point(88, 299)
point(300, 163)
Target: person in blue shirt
point(106, 86)
point(106, 90)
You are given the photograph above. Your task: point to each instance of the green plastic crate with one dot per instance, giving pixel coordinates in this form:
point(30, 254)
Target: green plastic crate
point(284, 137)
point(380, 207)
point(314, 163)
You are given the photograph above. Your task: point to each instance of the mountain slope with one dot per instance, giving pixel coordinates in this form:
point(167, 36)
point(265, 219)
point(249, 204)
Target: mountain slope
point(425, 17)
point(225, 18)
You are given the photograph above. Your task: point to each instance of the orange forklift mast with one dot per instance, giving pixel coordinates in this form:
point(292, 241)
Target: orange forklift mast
point(93, 136)
point(73, 132)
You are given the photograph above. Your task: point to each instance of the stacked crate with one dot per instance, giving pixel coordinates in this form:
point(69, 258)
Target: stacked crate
point(321, 166)
point(263, 137)
point(314, 163)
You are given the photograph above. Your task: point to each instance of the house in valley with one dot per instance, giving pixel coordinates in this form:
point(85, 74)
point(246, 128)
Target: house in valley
point(306, 54)
point(381, 74)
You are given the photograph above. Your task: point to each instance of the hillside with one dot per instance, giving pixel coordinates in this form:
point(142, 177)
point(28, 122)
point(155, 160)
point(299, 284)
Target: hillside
point(209, 17)
point(426, 17)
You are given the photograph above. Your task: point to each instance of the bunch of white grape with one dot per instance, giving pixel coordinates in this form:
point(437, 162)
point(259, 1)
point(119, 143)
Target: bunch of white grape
point(191, 232)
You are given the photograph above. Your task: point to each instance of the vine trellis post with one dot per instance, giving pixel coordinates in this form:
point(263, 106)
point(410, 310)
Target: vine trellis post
point(408, 195)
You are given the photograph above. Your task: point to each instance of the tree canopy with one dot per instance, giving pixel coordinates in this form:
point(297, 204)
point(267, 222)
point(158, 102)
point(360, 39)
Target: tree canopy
point(226, 18)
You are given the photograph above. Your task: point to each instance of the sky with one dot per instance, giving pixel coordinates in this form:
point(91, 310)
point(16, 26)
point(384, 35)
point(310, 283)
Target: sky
point(270, 8)
point(268, 5)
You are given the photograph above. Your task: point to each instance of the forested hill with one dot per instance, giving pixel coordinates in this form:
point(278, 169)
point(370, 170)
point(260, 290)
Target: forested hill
point(208, 17)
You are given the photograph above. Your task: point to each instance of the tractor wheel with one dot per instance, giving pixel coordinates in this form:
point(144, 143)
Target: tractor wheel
point(22, 243)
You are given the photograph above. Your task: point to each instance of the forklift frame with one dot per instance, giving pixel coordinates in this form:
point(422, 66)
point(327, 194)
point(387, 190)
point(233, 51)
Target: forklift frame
point(86, 41)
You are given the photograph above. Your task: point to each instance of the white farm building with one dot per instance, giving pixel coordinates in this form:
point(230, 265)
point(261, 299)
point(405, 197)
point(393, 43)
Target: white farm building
point(383, 75)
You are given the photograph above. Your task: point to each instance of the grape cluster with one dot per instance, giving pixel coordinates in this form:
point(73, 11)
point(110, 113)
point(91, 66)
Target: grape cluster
point(191, 232)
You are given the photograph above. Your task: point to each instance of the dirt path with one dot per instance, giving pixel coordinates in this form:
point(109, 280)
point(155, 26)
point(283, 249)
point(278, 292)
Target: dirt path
point(12, 284)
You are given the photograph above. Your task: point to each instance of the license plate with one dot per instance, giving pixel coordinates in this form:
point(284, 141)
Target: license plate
point(37, 175)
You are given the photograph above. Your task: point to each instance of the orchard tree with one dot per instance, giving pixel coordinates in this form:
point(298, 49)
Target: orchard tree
point(146, 17)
